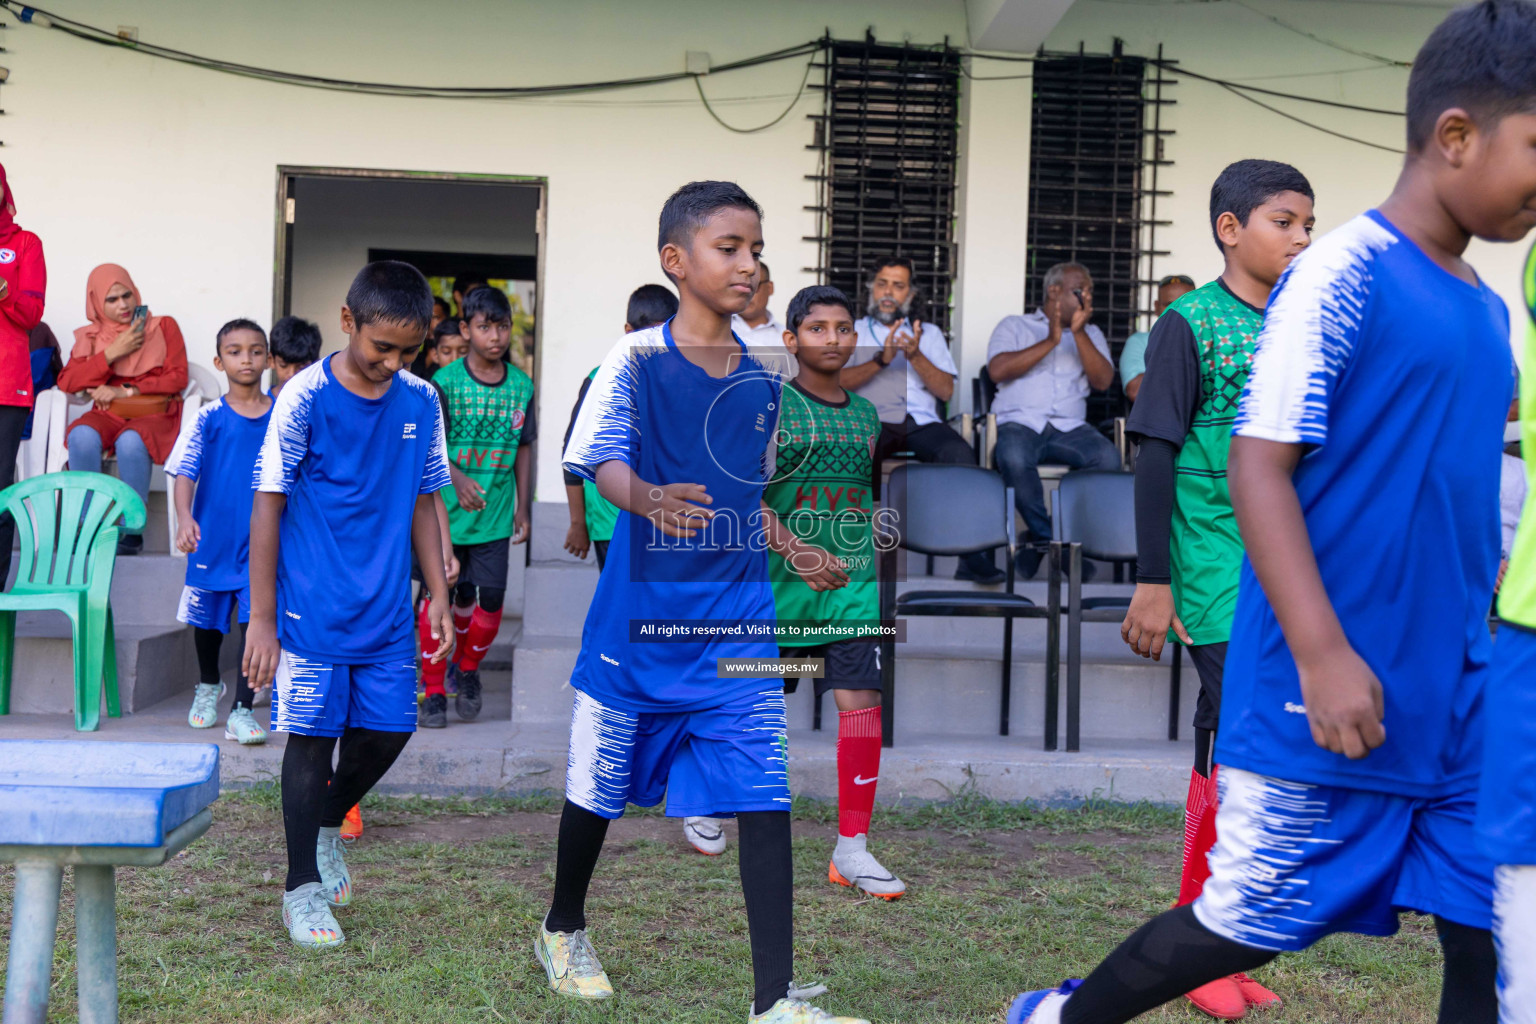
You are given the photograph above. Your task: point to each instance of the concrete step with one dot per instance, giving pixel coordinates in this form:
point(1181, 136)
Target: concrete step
point(541, 680)
point(557, 598)
point(153, 663)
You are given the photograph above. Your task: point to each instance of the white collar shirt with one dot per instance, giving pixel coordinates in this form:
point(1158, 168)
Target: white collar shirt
point(898, 390)
point(1055, 390)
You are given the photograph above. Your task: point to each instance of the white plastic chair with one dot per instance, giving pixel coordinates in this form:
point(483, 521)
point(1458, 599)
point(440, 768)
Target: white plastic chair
point(191, 403)
point(203, 382)
point(32, 459)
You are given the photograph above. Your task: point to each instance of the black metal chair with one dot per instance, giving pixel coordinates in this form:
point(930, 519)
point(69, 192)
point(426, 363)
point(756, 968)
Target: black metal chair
point(1094, 514)
point(934, 509)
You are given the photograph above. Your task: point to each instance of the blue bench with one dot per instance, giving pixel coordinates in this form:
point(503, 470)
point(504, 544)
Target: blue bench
point(93, 806)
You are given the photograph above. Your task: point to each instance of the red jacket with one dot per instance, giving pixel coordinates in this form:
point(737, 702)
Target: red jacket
point(26, 279)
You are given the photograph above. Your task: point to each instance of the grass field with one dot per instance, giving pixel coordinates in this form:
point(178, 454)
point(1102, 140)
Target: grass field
point(1001, 898)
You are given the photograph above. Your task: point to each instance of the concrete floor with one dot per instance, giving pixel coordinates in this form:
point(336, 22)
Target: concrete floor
point(494, 754)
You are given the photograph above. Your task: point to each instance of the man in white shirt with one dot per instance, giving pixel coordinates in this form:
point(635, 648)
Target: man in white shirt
point(761, 332)
point(904, 367)
point(1044, 364)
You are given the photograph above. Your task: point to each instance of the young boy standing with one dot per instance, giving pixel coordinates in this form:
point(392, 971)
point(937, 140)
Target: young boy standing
point(1198, 359)
point(1364, 472)
point(675, 432)
point(295, 345)
point(488, 415)
point(215, 458)
point(592, 515)
point(345, 484)
point(820, 491)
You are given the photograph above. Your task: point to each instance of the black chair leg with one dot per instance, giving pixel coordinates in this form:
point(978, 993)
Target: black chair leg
point(888, 699)
point(1173, 690)
point(1074, 643)
point(815, 709)
point(1053, 646)
point(1002, 729)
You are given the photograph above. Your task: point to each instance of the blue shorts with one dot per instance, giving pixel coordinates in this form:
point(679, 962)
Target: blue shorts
point(210, 609)
point(1506, 812)
point(1294, 862)
point(313, 698)
point(715, 762)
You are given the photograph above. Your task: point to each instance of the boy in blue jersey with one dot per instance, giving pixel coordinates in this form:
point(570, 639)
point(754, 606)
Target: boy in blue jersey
point(214, 458)
point(1364, 472)
point(295, 347)
point(675, 431)
point(345, 486)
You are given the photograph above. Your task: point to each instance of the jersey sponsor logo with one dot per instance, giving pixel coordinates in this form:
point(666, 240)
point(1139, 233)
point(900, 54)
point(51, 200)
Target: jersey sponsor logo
point(292, 615)
point(410, 432)
point(7, 255)
point(607, 659)
point(1294, 708)
point(485, 458)
point(517, 419)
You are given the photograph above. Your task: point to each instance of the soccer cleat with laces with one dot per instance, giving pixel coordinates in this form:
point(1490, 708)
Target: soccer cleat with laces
point(859, 869)
point(352, 824)
point(308, 918)
point(242, 727)
point(707, 835)
point(1221, 998)
point(798, 1011)
point(467, 701)
point(205, 705)
point(335, 879)
point(1254, 994)
point(572, 965)
point(434, 713)
point(1043, 1006)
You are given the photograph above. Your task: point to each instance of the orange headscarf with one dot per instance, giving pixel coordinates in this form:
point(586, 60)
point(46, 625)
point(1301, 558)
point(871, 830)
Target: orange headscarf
point(95, 336)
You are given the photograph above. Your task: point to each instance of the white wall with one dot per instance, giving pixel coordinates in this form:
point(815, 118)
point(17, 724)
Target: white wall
point(171, 170)
point(338, 220)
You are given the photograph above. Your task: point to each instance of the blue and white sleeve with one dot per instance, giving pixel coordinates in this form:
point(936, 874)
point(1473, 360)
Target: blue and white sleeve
point(609, 425)
point(287, 440)
point(186, 458)
point(1310, 331)
point(434, 474)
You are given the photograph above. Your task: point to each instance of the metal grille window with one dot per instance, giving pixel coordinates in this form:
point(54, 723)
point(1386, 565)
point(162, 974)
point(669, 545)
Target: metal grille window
point(888, 137)
point(1093, 186)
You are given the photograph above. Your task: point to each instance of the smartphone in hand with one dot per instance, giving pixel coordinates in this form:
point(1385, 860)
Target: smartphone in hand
point(140, 314)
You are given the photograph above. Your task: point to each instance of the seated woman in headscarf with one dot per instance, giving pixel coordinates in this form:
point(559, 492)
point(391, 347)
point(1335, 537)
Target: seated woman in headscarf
point(133, 368)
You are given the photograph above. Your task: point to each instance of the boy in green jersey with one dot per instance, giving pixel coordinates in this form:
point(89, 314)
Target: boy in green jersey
point(1189, 550)
point(488, 412)
point(820, 491)
point(592, 515)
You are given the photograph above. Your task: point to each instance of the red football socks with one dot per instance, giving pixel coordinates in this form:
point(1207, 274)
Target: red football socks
point(858, 766)
point(431, 675)
point(1199, 834)
point(461, 617)
point(483, 626)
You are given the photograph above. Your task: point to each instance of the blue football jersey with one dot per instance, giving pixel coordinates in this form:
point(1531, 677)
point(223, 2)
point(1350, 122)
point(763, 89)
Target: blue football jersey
point(219, 451)
point(671, 422)
point(1397, 376)
point(352, 469)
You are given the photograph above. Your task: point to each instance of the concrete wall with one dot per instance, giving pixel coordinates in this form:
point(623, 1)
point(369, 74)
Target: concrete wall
point(338, 221)
point(171, 170)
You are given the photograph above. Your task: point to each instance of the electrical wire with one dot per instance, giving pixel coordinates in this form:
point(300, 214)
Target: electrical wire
point(1174, 68)
point(698, 82)
point(43, 18)
point(1309, 124)
point(1389, 61)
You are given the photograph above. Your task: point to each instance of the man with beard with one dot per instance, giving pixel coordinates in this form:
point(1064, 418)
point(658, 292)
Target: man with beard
point(1044, 363)
point(903, 366)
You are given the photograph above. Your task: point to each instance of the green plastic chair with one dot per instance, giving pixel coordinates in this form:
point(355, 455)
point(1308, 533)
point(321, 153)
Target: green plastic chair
point(67, 523)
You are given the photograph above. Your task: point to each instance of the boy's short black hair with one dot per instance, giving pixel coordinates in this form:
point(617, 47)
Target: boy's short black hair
point(491, 302)
point(466, 283)
point(391, 292)
point(686, 210)
point(438, 300)
point(239, 323)
point(1247, 185)
point(816, 295)
point(1481, 58)
point(295, 340)
point(649, 305)
point(895, 261)
point(447, 329)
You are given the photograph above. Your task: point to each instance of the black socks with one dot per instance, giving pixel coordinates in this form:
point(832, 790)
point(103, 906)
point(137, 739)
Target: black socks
point(1163, 959)
point(314, 797)
point(767, 883)
point(208, 642)
point(1469, 994)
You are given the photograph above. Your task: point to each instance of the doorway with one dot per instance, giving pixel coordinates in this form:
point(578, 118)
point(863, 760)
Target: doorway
point(331, 221)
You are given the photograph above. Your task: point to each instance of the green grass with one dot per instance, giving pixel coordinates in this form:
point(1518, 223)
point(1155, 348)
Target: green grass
point(1003, 897)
